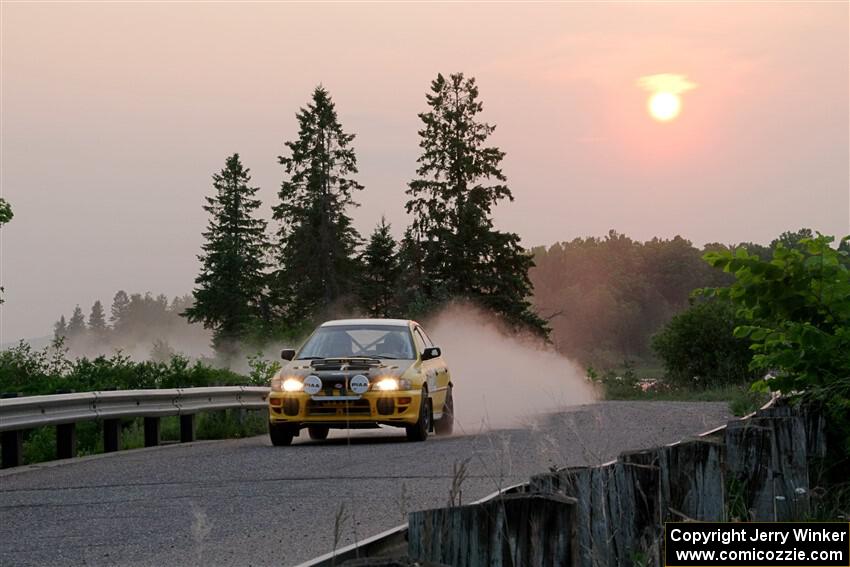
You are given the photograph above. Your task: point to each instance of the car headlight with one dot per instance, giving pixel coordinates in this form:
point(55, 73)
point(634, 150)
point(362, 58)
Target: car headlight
point(293, 385)
point(392, 384)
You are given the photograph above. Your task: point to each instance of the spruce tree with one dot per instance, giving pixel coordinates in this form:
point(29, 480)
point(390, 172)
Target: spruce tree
point(316, 242)
point(230, 286)
point(377, 284)
point(60, 328)
point(76, 324)
point(459, 181)
point(97, 321)
point(118, 311)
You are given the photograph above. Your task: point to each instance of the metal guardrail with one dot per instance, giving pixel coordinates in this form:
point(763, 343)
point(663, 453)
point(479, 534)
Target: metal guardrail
point(64, 410)
point(38, 411)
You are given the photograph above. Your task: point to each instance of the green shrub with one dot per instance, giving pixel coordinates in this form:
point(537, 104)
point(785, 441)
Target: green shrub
point(48, 371)
point(698, 349)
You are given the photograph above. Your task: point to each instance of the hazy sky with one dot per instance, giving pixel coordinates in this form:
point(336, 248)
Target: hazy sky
point(115, 115)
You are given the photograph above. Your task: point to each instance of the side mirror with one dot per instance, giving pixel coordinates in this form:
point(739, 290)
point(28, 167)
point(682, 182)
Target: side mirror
point(431, 352)
point(287, 353)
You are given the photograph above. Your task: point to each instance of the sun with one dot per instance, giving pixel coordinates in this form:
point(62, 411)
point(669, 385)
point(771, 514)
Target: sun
point(664, 106)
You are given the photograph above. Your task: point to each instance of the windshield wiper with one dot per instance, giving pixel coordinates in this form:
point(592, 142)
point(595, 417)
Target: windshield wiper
point(385, 356)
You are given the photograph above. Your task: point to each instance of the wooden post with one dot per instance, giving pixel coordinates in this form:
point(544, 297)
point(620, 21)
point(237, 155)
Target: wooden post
point(693, 481)
point(13, 442)
point(617, 510)
point(768, 469)
point(111, 435)
point(13, 449)
point(66, 440)
point(187, 428)
point(516, 529)
point(151, 431)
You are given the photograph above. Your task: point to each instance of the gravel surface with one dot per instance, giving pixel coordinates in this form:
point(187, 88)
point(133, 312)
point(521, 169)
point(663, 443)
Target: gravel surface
point(244, 502)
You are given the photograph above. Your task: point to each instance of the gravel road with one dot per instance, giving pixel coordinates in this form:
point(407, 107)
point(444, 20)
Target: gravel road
point(244, 502)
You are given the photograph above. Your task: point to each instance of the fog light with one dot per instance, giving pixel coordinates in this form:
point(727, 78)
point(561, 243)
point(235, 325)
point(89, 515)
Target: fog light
point(291, 406)
point(293, 385)
point(385, 406)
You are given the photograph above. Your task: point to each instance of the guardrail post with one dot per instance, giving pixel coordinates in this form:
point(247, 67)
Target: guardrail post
point(66, 440)
point(151, 431)
point(111, 435)
point(13, 448)
point(12, 441)
point(187, 428)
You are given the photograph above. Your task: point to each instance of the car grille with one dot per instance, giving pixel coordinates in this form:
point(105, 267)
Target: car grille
point(340, 409)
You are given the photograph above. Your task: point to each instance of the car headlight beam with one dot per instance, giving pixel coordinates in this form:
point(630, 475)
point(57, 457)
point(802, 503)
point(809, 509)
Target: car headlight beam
point(387, 384)
point(292, 385)
point(390, 384)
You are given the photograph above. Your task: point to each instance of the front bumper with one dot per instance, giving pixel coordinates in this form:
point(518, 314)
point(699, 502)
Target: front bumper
point(372, 408)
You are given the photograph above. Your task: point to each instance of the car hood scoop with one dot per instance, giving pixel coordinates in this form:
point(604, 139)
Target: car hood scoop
point(345, 364)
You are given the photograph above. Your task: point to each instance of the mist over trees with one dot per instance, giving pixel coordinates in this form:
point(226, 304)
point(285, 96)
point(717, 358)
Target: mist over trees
point(316, 265)
point(138, 324)
point(606, 297)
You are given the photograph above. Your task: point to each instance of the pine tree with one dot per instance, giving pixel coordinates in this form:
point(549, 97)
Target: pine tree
point(316, 242)
point(76, 324)
point(230, 286)
point(118, 311)
point(459, 181)
point(97, 321)
point(60, 328)
point(377, 283)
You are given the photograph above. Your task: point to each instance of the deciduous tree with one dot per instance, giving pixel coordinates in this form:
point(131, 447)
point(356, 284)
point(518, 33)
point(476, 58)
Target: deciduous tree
point(796, 312)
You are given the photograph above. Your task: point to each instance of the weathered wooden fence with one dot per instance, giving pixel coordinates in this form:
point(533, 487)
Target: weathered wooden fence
point(756, 469)
point(515, 529)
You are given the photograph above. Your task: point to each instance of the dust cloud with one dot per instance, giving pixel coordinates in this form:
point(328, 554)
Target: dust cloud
point(502, 379)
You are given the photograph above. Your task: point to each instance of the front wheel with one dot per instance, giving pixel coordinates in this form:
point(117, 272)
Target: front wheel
point(318, 432)
point(281, 435)
point(419, 430)
point(446, 424)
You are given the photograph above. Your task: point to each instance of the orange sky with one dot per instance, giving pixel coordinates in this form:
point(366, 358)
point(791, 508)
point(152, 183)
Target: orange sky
point(114, 116)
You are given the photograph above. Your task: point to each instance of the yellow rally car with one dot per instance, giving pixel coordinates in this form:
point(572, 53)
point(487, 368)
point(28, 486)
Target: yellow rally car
point(362, 373)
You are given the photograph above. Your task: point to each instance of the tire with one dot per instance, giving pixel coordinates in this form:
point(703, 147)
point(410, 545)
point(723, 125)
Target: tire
point(419, 431)
point(318, 432)
point(281, 435)
point(446, 424)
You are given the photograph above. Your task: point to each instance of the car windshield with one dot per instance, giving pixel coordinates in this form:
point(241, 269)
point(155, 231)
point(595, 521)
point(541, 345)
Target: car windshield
point(373, 341)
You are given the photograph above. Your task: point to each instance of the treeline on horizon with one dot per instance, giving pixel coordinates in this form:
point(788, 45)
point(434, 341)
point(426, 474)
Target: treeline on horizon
point(605, 298)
